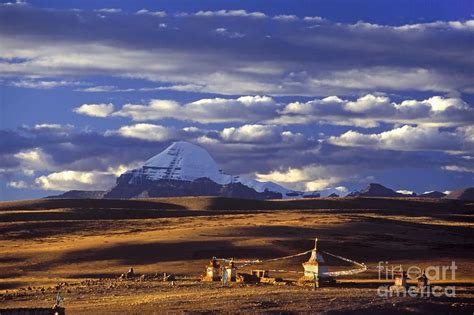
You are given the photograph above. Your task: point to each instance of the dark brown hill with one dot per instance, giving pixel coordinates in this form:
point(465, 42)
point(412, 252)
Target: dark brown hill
point(466, 194)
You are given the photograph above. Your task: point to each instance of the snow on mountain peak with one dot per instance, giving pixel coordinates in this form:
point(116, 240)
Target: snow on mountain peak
point(186, 161)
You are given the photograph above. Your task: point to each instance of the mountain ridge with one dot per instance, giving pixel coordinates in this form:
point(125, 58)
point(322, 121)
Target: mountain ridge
point(186, 169)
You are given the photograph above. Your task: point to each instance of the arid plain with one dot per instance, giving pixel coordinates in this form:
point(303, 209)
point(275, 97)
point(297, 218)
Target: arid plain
point(80, 247)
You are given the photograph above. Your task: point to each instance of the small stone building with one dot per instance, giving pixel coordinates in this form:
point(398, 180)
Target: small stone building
point(213, 271)
point(315, 267)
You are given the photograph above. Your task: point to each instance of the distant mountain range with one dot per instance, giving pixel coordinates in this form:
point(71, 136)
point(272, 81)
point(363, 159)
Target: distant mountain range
point(185, 169)
point(377, 190)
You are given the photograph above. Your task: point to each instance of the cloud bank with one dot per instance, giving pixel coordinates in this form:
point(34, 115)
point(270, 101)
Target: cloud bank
point(302, 56)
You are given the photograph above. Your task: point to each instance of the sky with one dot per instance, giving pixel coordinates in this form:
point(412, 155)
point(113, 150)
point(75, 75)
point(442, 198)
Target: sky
point(314, 95)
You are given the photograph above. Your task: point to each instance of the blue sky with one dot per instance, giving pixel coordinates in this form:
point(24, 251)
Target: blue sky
point(314, 95)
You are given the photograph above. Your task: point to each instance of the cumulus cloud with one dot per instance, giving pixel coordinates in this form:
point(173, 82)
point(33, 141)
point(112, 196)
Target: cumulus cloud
point(311, 177)
point(245, 108)
point(406, 138)
point(366, 111)
point(251, 133)
point(147, 132)
point(371, 110)
point(245, 136)
point(367, 103)
point(260, 134)
point(69, 180)
point(80, 180)
point(34, 160)
point(95, 110)
point(265, 134)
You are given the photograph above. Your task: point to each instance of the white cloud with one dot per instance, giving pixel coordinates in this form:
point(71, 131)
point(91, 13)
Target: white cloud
point(285, 17)
point(310, 178)
point(53, 127)
point(119, 170)
point(458, 25)
point(17, 2)
point(468, 133)
point(224, 32)
point(366, 111)
point(34, 160)
point(44, 84)
point(18, 184)
point(405, 138)
point(245, 108)
point(341, 189)
point(457, 168)
point(47, 126)
point(405, 192)
point(95, 110)
point(252, 133)
point(99, 88)
point(370, 110)
point(152, 13)
point(156, 109)
point(148, 132)
point(368, 103)
point(109, 10)
point(255, 133)
point(322, 183)
point(229, 13)
point(313, 19)
point(70, 180)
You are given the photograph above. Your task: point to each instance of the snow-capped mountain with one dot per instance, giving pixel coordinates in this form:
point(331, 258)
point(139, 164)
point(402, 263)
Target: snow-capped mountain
point(175, 171)
point(182, 161)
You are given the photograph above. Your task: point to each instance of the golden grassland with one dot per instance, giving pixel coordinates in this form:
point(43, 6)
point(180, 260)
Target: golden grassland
point(88, 243)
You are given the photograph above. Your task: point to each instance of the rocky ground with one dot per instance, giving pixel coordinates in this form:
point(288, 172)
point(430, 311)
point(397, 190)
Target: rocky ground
point(153, 296)
point(81, 252)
